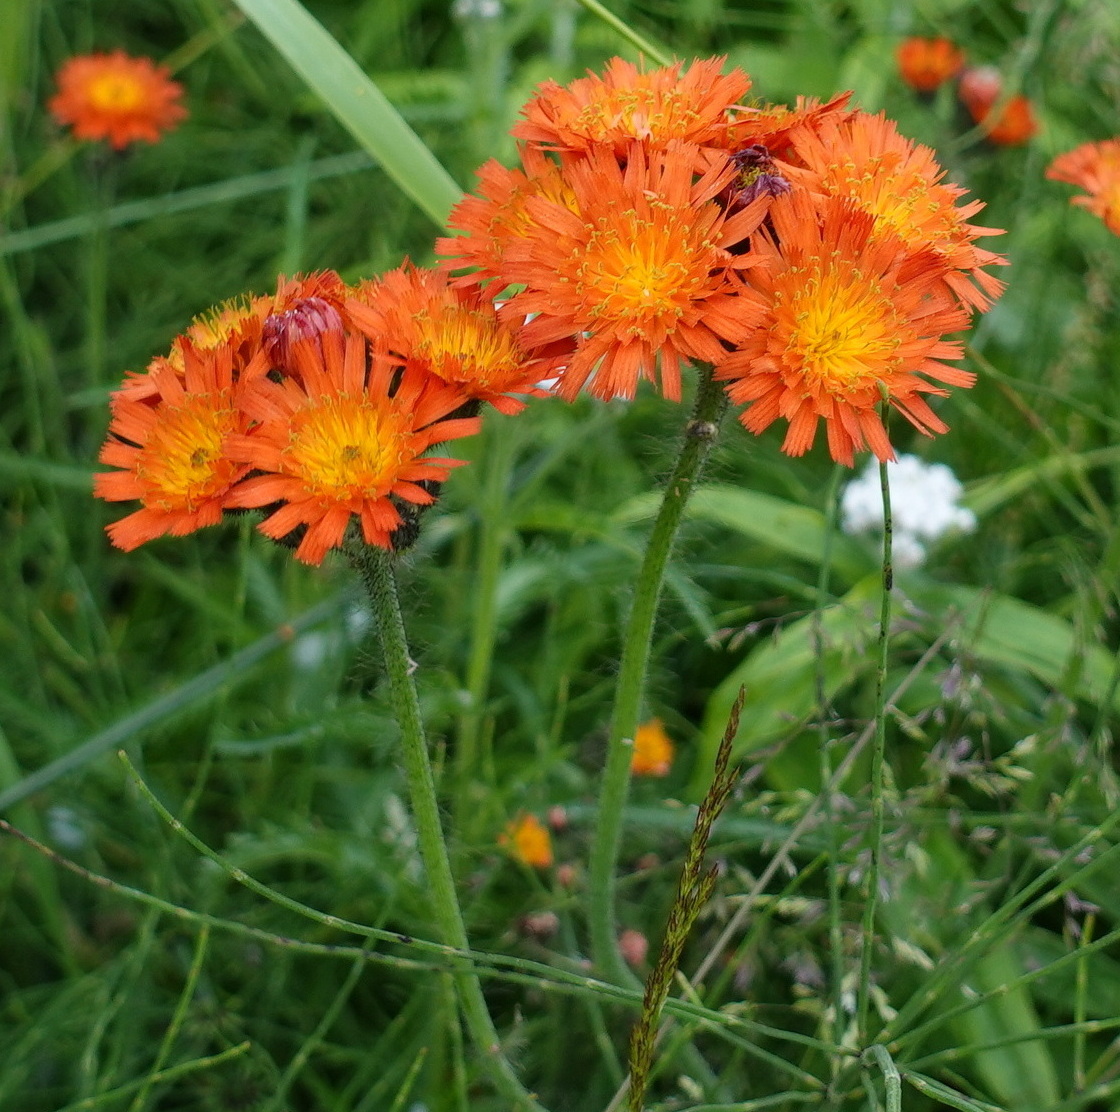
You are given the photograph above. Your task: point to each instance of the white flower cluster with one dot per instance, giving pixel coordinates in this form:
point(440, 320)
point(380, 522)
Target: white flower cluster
point(923, 506)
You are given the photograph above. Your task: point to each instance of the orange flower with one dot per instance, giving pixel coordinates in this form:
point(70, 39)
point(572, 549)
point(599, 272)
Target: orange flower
point(115, 97)
point(865, 160)
point(653, 750)
point(528, 841)
point(1095, 167)
point(1008, 125)
point(302, 307)
point(639, 276)
point(656, 108)
point(453, 334)
point(851, 319)
point(775, 126)
point(926, 64)
point(339, 437)
point(499, 215)
point(173, 448)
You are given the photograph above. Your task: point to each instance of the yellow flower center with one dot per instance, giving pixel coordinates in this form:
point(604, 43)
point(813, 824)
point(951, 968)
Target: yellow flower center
point(640, 275)
point(183, 464)
point(901, 200)
point(116, 92)
point(343, 448)
point(642, 113)
point(463, 346)
point(836, 328)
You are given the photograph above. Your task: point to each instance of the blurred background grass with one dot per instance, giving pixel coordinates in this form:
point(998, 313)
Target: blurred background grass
point(279, 750)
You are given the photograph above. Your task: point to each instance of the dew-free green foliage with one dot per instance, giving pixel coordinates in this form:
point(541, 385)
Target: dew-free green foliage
point(249, 694)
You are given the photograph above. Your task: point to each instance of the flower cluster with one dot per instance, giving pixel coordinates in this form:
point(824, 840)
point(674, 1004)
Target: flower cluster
point(318, 404)
point(927, 64)
point(812, 255)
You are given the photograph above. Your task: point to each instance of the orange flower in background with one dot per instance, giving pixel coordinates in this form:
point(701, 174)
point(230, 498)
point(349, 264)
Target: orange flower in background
point(638, 276)
point(653, 750)
point(333, 444)
point(1095, 167)
point(655, 107)
point(116, 97)
point(452, 334)
point(528, 841)
point(1009, 124)
point(173, 449)
point(864, 159)
point(850, 318)
point(926, 64)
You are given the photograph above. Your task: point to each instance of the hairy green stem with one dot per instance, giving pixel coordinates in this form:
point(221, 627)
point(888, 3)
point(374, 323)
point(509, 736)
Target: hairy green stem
point(700, 434)
point(867, 944)
point(376, 569)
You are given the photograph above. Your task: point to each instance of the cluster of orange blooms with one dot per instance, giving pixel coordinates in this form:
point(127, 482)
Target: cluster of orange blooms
point(927, 64)
point(812, 256)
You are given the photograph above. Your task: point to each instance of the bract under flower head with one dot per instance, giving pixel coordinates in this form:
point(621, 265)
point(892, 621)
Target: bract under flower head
point(926, 64)
point(654, 107)
point(1095, 167)
point(866, 161)
point(172, 447)
point(116, 97)
point(340, 438)
point(850, 319)
point(638, 273)
point(423, 323)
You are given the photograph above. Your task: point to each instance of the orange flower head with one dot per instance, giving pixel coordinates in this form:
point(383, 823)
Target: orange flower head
point(528, 841)
point(851, 319)
point(115, 97)
point(340, 438)
point(926, 64)
point(776, 126)
point(1007, 124)
point(423, 322)
point(173, 450)
point(656, 108)
point(499, 215)
point(1095, 167)
point(865, 160)
point(653, 750)
point(639, 275)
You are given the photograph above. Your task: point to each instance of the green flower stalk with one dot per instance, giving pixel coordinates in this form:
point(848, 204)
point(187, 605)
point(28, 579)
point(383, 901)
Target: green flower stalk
point(700, 434)
point(375, 565)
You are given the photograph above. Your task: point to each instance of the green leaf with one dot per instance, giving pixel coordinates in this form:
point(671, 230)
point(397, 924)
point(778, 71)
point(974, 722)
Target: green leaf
point(356, 102)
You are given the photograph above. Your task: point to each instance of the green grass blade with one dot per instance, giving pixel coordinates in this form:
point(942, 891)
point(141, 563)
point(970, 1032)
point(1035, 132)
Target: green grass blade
point(356, 102)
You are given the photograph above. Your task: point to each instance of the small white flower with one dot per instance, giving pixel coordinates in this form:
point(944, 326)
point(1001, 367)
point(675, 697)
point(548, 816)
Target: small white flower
point(924, 506)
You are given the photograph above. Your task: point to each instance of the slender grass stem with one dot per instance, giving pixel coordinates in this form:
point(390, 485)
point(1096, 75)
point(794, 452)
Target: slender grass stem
point(700, 434)
point(870, 906)
point(824, 752)
point(376, 569)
